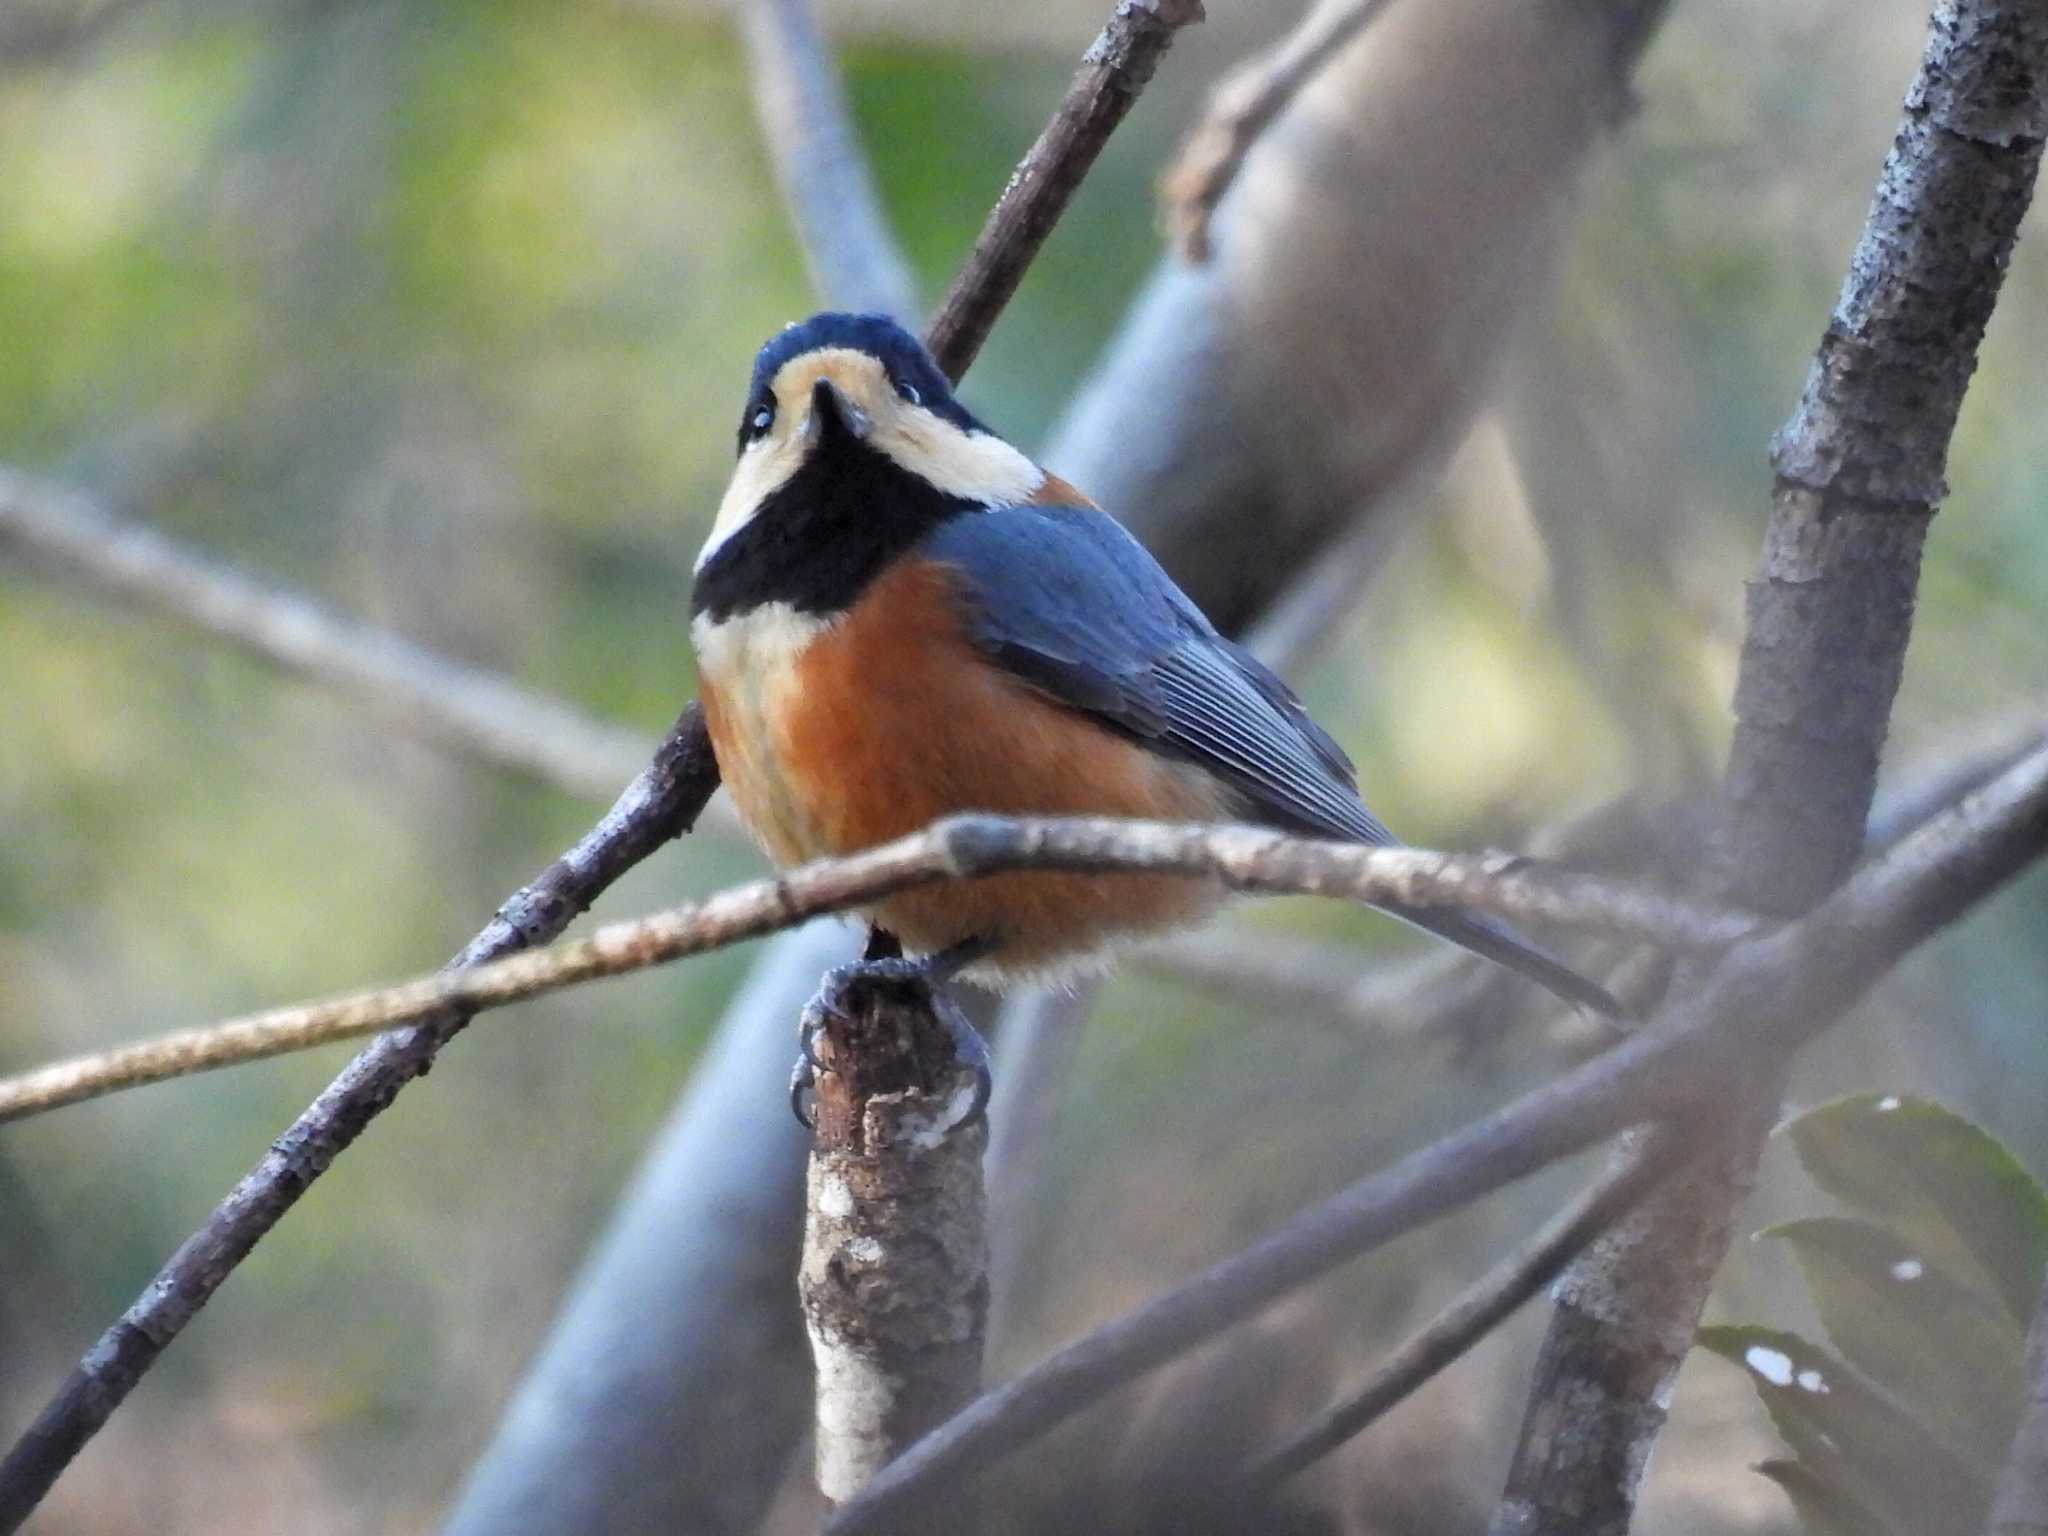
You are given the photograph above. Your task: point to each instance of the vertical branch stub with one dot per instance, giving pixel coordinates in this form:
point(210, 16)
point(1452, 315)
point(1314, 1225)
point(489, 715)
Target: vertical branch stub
point(894, 1279)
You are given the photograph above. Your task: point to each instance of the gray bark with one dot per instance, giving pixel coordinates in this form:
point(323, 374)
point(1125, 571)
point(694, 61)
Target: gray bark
point(1859, 470)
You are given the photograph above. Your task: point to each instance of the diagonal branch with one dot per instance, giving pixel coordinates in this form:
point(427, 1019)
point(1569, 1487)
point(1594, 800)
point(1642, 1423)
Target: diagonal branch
point(475, 711)
point(1116, 67)
point(1768, 998)
point(1468, 1319)
point(1242, 107)
point(1249, 859)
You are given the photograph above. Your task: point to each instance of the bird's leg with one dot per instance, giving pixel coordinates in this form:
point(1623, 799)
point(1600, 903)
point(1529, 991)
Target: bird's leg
point(882, 963)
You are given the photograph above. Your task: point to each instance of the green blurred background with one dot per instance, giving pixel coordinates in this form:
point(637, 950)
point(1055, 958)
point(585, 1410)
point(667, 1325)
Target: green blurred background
point(441, 311)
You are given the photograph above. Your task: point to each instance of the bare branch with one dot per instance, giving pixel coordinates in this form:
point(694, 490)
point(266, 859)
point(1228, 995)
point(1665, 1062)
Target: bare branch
point(2020, 1506)
point(1116, 67)
point(1859, 469)
point(465, 707)
point(1468, 1319)
point(1769, 996)
point(853, 259)
point(660, 804)
point(1252, 859)
point(1242, 107)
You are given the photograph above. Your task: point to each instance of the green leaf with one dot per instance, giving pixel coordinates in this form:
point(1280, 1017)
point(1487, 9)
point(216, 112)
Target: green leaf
point(1823, 1508)
point(1852, 1436)
point(1943, 1348)
point(1948, 1187)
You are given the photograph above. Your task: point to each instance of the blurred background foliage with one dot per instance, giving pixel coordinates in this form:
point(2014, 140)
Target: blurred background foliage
point(441, 311)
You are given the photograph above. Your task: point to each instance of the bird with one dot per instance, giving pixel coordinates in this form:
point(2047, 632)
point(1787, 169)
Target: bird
point(898, 615)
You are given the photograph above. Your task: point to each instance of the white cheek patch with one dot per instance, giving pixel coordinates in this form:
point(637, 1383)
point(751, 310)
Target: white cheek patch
point(763, 466)
point(975, 466)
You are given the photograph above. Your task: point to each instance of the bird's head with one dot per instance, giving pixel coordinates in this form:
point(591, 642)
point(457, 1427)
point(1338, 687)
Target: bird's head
point(843, 403)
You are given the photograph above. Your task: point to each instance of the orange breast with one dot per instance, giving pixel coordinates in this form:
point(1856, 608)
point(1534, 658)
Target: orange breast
point(889, 719)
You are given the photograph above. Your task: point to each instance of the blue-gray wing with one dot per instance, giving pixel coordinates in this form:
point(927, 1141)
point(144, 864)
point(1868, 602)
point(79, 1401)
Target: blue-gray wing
point(1067, 601)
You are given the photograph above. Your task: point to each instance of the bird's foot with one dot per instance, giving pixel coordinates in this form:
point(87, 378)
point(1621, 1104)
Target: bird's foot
point(837, 999)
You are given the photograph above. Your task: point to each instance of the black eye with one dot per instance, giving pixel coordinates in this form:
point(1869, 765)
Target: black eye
point(909, 392)
point(759, 418)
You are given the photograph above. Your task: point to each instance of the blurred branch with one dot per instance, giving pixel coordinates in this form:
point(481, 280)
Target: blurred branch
point(47, 33)
point(2020, 1506)
point(1859, 469)
point(1768, 997)
point(674, 1377)
point(1468, 1319)
point(1241, 108)
point(1326, 983)
point(1116, 67)
point(1251, 859)
point(853, 259)
point(464, 707)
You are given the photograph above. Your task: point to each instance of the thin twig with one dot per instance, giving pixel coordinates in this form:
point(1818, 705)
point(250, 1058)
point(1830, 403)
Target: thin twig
point(1469, 1318)
point(1244, 858)
point(1770, 996)
point(798, 96)
point(465, 707)
point(1116, 67)
point(1242, 107)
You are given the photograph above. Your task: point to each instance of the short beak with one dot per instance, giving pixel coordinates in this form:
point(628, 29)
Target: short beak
point(830, 408)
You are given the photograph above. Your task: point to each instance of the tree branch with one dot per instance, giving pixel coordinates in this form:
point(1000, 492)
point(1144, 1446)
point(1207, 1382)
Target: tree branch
point(1249, 859)
point(1241, 108)
point(1859, 469)
point(853, 259)
point(1116, 67)
point(442, 699)
point(1468, 1319)
point(1768, 997)
point(660, 804)
point(894, 1278)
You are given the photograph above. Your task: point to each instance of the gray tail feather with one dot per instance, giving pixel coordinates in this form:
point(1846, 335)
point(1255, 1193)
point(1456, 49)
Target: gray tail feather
point(1498, 942)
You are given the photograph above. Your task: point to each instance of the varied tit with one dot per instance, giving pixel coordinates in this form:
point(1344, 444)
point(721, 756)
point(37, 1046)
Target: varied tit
point(899, 616)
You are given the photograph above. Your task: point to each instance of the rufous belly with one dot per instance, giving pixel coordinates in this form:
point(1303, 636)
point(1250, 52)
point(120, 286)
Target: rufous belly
point(834, 737)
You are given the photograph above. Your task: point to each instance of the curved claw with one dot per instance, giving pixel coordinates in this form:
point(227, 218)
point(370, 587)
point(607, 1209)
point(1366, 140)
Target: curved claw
point(968, 1046)
point(831, 1002)
point(803, 1077)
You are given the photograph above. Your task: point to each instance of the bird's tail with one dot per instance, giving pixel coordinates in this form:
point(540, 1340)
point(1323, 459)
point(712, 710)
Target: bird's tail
point(1498, 942)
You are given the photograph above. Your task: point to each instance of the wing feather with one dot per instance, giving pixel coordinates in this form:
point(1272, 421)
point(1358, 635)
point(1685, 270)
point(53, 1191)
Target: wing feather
point(1067, 601)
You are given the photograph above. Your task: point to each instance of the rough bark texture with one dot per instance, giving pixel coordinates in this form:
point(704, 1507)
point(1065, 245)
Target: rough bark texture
point(2020, 1507)
point(894, 1276)
point(1859, 468)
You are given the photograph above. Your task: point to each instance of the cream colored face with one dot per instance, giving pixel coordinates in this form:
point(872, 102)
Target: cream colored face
point(972, 465)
